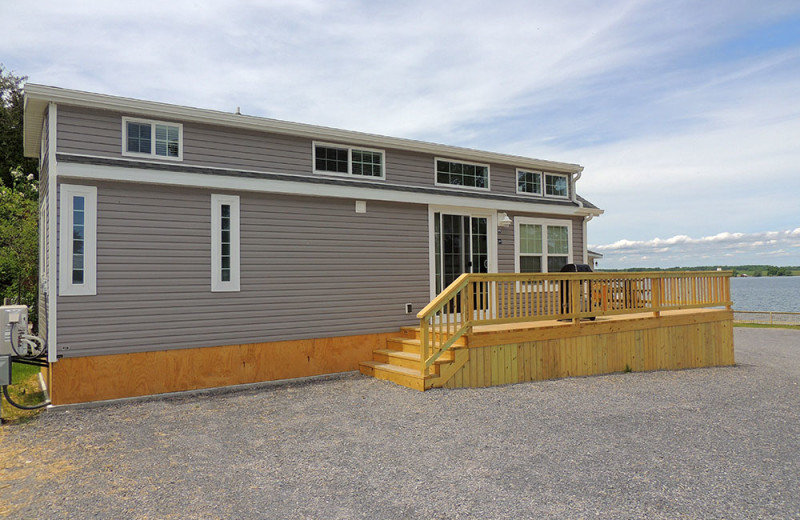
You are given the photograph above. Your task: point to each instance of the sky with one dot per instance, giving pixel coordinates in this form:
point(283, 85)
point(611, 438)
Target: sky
point(684, 114)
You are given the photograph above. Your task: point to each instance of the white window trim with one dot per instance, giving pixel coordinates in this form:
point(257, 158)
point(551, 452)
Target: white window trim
point(349, 149)
point(217, 285)
point(89, 285)
point(544, 185)
point(528, 193)
point(460, 186)
point(152, 154)
point(544, 223)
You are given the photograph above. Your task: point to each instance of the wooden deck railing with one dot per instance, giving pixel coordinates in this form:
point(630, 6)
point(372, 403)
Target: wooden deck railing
point(484, 299)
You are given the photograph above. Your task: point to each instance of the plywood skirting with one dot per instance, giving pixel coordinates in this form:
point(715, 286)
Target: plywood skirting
point(83, 379)
point(674, 342)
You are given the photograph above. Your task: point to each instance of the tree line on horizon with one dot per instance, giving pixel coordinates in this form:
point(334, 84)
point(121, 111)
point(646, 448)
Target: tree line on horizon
point(755, 270)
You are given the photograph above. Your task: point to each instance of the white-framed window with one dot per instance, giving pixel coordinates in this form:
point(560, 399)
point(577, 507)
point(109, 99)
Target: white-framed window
point(337, 159)
point(529, 182)
point(556, 185)
point(77, 241)
point(224, 243)
point(464, 174)
point(153, 139)
point(541, 245)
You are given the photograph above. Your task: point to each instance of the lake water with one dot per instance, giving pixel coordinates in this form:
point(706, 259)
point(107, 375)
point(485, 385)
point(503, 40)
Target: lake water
point(778, 293)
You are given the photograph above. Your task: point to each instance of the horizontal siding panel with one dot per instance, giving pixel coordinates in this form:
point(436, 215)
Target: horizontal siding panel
point(99, 132)
point(310, 266)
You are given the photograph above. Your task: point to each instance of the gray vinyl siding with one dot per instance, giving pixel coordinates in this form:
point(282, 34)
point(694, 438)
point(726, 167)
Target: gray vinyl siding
point(505, 251)
point(44, 170)
point(94, 132)
point(310, 267)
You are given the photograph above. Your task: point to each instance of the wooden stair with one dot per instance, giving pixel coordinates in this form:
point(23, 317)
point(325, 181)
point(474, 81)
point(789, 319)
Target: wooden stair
point(400, 362)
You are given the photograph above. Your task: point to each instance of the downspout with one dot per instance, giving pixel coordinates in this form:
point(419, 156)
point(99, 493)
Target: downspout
point(586, 220)
point(574, 180)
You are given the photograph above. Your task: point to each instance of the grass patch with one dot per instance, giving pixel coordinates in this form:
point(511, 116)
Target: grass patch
point(25, 390)
point(765, 326)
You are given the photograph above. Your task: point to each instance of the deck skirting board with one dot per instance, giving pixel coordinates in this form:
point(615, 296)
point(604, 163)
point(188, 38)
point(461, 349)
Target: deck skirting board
point(669, 342)
point(96, 378)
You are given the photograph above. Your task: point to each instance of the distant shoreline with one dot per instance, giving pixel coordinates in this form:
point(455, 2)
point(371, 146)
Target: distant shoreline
point(739, 271)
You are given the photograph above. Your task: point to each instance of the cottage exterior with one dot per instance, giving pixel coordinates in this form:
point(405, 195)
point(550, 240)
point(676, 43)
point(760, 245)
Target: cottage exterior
point(186, 248)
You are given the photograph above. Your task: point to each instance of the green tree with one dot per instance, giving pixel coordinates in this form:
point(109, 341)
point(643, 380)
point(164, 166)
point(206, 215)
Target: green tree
point(19, 239)
point(12, 107)
point(19, 208)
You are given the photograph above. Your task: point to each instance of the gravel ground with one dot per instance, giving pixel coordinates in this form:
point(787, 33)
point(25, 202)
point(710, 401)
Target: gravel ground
point(706, 443)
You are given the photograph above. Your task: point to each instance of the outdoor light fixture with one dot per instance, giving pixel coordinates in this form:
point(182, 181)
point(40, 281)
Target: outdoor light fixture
point(503, 220)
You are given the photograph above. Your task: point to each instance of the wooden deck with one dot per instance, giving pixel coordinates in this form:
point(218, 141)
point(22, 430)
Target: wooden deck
point(498, 354)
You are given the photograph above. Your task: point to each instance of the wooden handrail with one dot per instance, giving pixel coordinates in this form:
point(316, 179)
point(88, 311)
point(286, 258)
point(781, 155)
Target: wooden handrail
point(443, 296)
point(490, 298)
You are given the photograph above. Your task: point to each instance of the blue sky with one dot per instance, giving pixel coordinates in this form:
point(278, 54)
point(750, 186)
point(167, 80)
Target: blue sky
point(685, 114)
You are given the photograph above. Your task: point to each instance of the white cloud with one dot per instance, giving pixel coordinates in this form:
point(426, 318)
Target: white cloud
point(682, 250)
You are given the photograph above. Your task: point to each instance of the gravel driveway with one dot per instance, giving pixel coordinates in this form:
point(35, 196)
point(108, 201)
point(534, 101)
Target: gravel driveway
point(705, 443)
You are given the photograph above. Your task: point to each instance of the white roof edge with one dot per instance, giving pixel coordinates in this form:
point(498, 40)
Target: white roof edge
point(45, 94)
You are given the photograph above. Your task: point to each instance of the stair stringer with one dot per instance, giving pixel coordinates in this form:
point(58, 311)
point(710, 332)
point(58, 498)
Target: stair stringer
point(448, 370)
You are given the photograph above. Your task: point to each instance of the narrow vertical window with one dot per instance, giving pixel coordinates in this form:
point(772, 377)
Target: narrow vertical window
point(78, 240)
point(224, 243)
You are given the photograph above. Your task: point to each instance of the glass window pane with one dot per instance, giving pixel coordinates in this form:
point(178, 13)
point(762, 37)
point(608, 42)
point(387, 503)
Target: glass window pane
point(556, 185)
point(331, 159)
point(557, 240)
point(78, 203)
point(77, 276)
point(530, 264)
point(555, 263)
point(462, 174)
point(530, 239)
point(138, 137)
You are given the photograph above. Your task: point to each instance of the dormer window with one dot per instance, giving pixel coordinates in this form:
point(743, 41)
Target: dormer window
point(153, 139)
point(459, 173)
point(335, 159)
point(555, 185)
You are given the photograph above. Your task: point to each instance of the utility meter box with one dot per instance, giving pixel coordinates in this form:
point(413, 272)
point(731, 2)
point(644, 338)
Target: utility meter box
point(13, 323)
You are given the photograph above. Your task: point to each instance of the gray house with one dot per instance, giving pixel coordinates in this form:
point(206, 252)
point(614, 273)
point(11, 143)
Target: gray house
point(185, 248)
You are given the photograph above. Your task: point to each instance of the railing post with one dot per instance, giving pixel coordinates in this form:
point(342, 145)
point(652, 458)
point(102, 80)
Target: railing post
point(574, 299)
point(655, 285)
point(470, 306)
point(424, 344)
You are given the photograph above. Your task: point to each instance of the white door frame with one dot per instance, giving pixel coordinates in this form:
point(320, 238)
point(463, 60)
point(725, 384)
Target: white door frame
point(491, 236)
